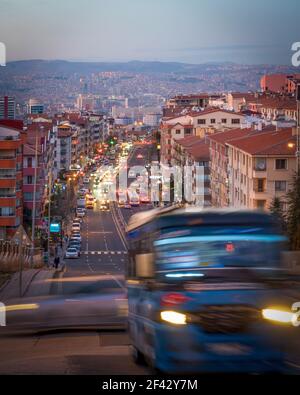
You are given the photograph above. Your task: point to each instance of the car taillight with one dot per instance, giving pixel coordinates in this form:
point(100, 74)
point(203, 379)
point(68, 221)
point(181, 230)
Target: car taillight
point(173, 299)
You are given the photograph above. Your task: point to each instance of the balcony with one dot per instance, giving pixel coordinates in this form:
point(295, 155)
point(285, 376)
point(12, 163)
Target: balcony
point(8, 201)
point(259, 195)
point(7, 163)
point(259, 173)
point(7, 182)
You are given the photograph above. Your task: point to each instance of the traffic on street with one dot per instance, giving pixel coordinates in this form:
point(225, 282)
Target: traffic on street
point(100, 304)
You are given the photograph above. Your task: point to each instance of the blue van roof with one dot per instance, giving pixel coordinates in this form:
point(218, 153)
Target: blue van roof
point(190, 216)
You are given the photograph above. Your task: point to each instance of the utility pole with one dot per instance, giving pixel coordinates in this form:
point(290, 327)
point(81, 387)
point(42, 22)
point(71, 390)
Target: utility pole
point(34, 200)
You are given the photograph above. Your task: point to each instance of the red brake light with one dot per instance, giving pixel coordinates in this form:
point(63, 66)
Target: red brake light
point(173, 299)
point(229, 247)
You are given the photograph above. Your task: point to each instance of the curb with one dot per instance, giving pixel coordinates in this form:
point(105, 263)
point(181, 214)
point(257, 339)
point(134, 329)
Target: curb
point(30, 282)
point(4, 285)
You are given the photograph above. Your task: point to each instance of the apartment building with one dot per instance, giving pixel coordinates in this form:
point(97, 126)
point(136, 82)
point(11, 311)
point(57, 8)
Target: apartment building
point(63, 148)
point(279, 83)
point(219, 170)
point(198, 100)
point(7, 107)
point(275, 108)
point(11, 204)
point(261, 166)
point(193, 153)
point(199, 123)
point(215, 119)
point(237, 101)
point(35, 162)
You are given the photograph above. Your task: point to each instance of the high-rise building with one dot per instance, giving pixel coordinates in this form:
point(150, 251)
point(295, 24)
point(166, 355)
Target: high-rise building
point(35, 107)
point(7, 107)
point(85, 103)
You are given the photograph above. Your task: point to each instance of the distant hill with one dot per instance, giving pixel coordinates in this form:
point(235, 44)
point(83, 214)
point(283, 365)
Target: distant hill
point(135, 66)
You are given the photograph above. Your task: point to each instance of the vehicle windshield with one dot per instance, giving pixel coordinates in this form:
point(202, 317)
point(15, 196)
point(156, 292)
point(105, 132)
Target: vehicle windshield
point(217, 247)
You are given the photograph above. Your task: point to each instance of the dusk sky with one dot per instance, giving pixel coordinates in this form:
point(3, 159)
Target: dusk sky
point(192, 31)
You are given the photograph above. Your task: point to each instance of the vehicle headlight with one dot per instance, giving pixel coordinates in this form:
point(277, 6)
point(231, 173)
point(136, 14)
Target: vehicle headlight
point(277, 315)
point(173, 317)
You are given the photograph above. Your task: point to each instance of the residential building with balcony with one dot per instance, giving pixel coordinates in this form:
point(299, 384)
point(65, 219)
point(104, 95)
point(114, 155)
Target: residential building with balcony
point(261, 166)
point(191, 154)
point(11, 195)
point(63, 148)
point(197, 123)
point(219, 163)
point(36, 162)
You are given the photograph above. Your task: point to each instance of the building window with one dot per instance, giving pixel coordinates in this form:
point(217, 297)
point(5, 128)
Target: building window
point(260, 204)
point(7, 192)
point(7, 173)
point(7, 211)
point(188, 131)
point(260, 164)
point(29, 180)
point(260, 185)
point(213, 120)
point(178, 131)
point(280, 186)
point(235, 121)
point(281, 164)
point(201, 121)
point(29, 162)
point(224, 120)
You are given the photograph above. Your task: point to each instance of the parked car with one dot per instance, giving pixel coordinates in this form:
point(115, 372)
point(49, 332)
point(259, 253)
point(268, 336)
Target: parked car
point(72, 252)
point(76, 235)
point(86, 180)
point(77, 245)
point(80, 212)
point(76, 227)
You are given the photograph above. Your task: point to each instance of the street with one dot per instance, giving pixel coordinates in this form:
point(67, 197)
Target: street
point(80, 325)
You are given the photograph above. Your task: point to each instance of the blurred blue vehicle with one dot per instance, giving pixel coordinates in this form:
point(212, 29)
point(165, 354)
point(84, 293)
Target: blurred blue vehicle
point(202, 285)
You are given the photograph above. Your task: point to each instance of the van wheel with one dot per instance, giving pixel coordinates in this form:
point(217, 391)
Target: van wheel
point(137, 356)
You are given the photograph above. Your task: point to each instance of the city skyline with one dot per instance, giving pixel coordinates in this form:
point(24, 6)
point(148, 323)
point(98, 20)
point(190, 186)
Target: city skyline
point(121, 31)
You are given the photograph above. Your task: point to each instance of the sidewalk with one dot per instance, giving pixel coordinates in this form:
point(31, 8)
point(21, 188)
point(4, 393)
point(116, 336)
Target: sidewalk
point(34, 282)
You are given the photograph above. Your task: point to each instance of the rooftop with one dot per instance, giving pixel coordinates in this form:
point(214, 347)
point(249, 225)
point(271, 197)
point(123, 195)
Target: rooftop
point(267, 143)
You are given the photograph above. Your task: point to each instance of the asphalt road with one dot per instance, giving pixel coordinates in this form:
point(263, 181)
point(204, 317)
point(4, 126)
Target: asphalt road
point(90, 292)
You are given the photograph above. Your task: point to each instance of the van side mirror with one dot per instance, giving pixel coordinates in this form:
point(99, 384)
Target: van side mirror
point(144, 265)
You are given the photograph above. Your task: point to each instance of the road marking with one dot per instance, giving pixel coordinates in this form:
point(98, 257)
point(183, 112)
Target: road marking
point(117, 281)
point(87, 252)
point(102, 232)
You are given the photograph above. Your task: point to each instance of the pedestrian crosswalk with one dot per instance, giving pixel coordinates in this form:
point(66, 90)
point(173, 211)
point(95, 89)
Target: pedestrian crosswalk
point(104, 252)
